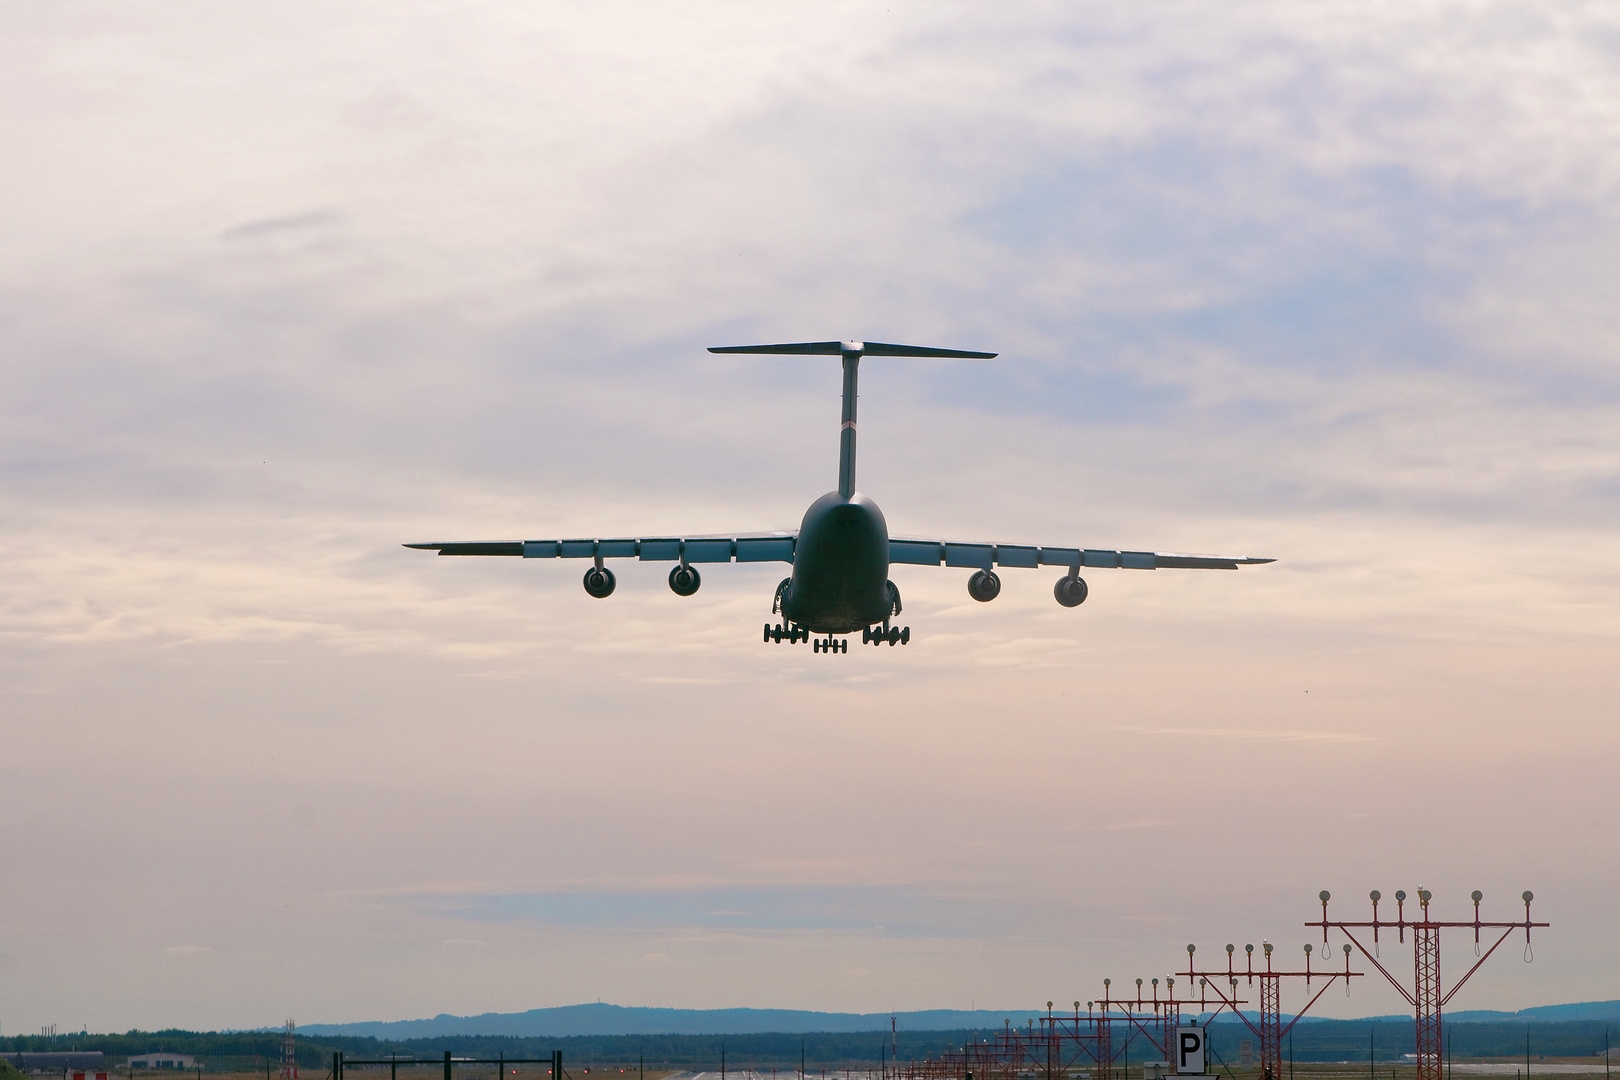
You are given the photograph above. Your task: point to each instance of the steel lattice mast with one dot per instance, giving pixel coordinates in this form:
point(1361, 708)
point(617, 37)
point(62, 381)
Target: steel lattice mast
point(1426, 996)
point(1271, 1029)
point(289, 1056)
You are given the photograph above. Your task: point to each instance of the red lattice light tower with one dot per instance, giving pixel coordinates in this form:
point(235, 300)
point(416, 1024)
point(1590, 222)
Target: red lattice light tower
point(289, 1056)
point(1160, 1030)
point(1426, 997)
point(1271, 1030)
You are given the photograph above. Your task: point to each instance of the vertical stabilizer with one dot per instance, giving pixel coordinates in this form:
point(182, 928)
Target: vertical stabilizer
point(846, 430)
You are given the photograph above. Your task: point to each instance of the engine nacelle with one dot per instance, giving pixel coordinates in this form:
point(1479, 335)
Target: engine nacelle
point(684, 580)
point(984, 586)
point(1070, 591)
point(599, 582)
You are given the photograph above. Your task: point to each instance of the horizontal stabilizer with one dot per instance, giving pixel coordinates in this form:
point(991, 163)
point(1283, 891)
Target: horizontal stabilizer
point(862, 348)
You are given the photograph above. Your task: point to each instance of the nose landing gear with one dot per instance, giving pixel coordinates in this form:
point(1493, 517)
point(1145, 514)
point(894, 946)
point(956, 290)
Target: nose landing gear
point(830, 645)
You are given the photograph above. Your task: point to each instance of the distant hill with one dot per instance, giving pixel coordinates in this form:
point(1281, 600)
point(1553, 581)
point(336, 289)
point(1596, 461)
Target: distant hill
point(599, 1019)
point(1582, 1010)
point(1540, 1014)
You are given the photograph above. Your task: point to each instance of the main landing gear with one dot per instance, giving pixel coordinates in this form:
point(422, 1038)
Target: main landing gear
point(893, 635)
point(790, 632)
point(793, 634)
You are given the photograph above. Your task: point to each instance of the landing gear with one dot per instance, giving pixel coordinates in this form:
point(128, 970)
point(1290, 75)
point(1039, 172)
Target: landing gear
point(892, 635)
point(1070, 591)
point(599, 582)
point(830, 645)
point(793, 634)
point(984, 586)
point(685, 580)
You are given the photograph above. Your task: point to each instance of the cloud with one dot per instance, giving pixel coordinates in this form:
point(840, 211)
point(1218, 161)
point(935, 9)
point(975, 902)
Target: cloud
point(1255, 733)
point(887, 910)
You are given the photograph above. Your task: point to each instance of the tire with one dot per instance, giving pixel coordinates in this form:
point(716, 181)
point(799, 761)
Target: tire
point(984, 586)
point(600, 583)
point(1070, 591)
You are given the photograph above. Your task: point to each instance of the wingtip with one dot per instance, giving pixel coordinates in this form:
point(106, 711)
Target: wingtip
point(421, 547)
point(1256, 562)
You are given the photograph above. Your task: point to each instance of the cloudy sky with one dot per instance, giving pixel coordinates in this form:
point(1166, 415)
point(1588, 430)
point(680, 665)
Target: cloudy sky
point(286, 285)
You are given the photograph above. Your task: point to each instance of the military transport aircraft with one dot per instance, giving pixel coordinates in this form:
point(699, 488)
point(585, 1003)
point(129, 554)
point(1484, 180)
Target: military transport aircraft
point(842, 549)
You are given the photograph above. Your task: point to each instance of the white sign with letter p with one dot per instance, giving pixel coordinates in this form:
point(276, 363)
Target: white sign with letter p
point(1190, 1049)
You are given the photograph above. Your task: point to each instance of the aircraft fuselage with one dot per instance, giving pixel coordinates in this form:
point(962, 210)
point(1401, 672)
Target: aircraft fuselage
point(840, 580)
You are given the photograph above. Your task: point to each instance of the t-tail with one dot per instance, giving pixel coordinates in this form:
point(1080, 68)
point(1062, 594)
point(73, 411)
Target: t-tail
point(851, 351)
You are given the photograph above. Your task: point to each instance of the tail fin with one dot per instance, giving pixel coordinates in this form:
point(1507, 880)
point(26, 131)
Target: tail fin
point(851, 351)
point(853, 348)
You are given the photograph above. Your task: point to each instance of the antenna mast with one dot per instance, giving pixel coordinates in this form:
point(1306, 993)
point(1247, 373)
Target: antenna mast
point(289, 1056)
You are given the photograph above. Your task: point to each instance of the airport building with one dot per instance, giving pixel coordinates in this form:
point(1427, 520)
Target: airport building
point(163, 1059)
point(73, 1065)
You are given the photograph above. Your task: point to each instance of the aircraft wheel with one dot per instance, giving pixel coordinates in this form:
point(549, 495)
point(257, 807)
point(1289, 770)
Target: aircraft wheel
point(599, 582)
point(1070, 591)
point(685, 580)
point(815, 646)
point(905, 635)
point(984, 586)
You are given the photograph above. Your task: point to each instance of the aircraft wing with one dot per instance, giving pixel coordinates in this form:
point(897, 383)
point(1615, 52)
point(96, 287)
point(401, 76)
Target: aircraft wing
point(986, 556)
point(778, 547)
point(738, 547)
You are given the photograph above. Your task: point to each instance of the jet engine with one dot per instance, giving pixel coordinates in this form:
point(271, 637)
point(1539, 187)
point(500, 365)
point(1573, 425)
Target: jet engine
point(599, 582)
point(1070, 591)
point(984, 586)
point(685, 580)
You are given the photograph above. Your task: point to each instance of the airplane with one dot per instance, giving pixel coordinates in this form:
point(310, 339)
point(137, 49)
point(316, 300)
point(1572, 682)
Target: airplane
point(842, 550)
